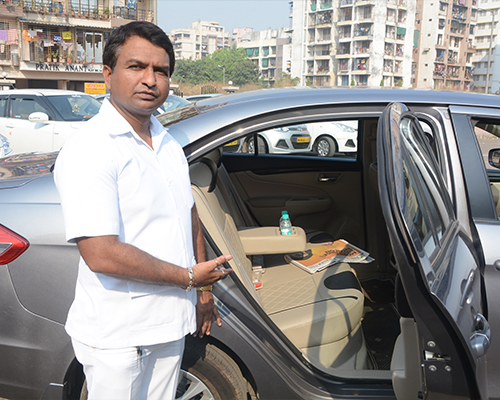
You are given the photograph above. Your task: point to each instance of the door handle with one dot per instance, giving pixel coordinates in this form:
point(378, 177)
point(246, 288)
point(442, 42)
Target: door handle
point(467, 288)
point(481, 336)
point(327, 178)
point(9, 125)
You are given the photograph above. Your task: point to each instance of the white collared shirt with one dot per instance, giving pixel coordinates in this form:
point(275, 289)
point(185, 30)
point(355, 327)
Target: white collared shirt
point(112, 183)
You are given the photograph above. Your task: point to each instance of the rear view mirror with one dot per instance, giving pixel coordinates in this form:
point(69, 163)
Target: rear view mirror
point(494, 158)
point(38, 118)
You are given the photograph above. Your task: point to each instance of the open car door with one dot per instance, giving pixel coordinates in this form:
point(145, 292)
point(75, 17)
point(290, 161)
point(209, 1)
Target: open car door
point(439, 269)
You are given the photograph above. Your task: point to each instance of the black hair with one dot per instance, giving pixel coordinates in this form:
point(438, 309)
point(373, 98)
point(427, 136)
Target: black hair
point(143, 29)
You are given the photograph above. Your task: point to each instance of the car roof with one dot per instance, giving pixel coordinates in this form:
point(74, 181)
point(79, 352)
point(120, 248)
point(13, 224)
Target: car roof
point(202, 96)
point(44, 92)
point(218, 112)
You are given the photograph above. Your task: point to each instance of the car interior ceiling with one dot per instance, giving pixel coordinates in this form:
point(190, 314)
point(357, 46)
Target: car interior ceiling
point(337, 325)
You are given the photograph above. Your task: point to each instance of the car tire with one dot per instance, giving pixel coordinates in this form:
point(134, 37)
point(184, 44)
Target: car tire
point(263, 149)
point(206, 373)
point(325, 146)
point(211, 372)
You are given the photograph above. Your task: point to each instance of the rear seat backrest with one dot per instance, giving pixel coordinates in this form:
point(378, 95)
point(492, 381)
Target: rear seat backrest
point(215, 215)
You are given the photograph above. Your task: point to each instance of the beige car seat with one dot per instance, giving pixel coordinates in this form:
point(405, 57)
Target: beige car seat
point(319, 313)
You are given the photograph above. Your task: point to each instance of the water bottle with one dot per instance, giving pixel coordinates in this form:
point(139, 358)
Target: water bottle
point(281, 218)
point(285, 224)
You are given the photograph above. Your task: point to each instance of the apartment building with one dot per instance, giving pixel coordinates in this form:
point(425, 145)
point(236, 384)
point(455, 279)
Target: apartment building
point(487, 79)
point(59, 44)
point(270, 50)
point(353, 42)
point(202, 39)
point(443, 56)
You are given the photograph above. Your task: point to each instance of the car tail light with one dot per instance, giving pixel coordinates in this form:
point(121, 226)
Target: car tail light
point(11, 245)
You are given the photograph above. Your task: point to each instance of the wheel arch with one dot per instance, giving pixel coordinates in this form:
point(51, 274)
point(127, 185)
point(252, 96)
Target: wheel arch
point(73, 381)
point(322, 135)
point(245, 371)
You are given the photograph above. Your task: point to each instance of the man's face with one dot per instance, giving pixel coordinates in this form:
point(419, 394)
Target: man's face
point(139, 83)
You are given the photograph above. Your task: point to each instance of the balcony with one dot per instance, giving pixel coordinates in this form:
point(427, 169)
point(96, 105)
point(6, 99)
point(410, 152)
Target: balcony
point(345, 3)
point(343, 52)
point(460, 3)
point(362, 32)
point(362, 52)
point(12, 8)
point(323, 70)
point(325, 5)
point(345, 35)
point(325, 38)
point(321, 18)
point(78, 9)
point(321, 54)
point(459, 13)
point(345, 17)
point(452, 57)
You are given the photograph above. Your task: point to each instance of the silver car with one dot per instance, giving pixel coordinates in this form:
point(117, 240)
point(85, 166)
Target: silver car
point(418, 321)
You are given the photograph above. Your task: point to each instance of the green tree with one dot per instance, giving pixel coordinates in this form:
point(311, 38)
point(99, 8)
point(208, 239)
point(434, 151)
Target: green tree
point(224, 64)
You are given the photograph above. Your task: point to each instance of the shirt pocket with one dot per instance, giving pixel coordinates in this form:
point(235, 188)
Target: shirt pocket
point(148, 310)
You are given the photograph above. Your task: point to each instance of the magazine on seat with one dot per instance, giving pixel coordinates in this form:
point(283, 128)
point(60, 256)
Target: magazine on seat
point(320, 257)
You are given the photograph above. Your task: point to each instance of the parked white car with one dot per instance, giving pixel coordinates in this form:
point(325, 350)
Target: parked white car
point(283, 140)
point(40, 120)
point(328, 138)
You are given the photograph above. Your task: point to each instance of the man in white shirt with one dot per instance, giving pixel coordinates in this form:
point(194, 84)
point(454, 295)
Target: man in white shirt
point(127, 203)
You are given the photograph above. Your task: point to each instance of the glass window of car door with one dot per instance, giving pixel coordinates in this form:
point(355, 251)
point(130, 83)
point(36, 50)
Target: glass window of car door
point(3, 106)
point(331, 139)
point(420, 189)
point(22, 107)
point(488, 137)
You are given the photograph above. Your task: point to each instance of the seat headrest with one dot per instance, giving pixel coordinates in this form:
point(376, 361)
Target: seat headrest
point(215, 156)
point(204, 173)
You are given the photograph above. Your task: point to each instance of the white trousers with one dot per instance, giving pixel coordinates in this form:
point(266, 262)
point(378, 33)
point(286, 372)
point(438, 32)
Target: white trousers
point(132, 373)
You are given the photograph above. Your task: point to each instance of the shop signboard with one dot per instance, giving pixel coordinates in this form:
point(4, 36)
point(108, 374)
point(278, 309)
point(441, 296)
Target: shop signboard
point(95, 88)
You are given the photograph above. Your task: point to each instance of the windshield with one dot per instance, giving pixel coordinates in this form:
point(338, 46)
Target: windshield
point(174, 102)
point(76, 107)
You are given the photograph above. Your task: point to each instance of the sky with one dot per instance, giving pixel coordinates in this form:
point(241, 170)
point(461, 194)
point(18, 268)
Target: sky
point(257, 14)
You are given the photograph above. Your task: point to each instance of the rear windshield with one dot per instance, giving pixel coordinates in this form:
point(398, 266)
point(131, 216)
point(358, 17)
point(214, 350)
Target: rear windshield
point(76, 107)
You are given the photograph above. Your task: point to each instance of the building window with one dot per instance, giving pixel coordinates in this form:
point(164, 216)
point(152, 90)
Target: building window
point(8, 41)
point(89, 46)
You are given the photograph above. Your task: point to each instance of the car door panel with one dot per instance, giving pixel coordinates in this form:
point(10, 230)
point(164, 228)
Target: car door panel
point(437, 259)
point(321, 195)
point(26, 136)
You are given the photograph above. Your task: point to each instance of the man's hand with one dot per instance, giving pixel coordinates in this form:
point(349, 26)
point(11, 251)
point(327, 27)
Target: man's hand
point(205, 308)
point(209, 272)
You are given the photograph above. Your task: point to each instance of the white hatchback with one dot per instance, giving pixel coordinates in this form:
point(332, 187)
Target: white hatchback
point(41, 120)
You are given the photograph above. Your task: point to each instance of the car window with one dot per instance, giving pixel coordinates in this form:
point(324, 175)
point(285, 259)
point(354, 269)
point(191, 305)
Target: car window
point(3, 106)
point(330, 139)
point(75, 107)
point(488, 137)
point(22, 107)
point(421, 199)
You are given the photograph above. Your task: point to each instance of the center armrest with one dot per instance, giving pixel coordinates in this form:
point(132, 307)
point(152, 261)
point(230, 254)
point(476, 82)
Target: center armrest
point(269, 240)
